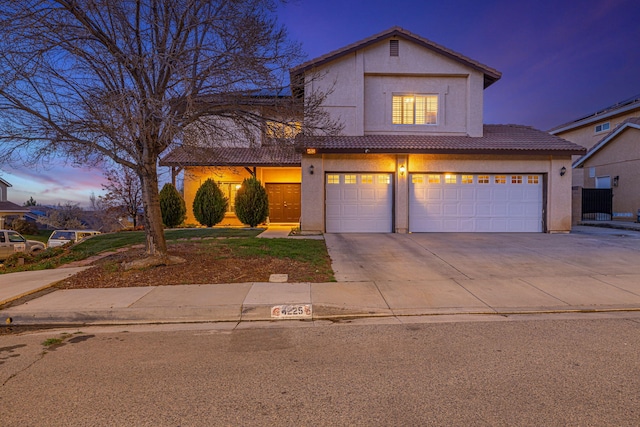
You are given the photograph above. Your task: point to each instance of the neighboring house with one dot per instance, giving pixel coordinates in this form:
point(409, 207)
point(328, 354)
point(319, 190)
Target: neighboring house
point(414, 154)
point(614, 162)
point(589, 130)
point(8, 208)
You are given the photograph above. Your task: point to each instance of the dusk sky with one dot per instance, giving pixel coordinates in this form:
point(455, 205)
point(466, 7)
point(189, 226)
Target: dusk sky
point(560, 60)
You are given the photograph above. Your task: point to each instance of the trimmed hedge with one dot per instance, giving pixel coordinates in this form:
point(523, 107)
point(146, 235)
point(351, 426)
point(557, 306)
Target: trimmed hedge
point(209, 204)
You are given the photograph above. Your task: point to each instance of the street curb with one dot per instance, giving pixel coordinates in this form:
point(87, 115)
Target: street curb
point(185, 315)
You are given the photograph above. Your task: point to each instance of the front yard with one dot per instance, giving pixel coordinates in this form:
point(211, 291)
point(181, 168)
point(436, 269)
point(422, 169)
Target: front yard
point(215, 255)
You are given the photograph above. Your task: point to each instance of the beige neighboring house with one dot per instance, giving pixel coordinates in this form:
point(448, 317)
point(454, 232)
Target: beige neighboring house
point(414, 154)
point(8, 208)
point(590, 130)
point(614, 162)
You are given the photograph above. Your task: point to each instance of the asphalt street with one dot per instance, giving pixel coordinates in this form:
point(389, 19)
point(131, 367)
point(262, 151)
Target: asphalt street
point(570, 369)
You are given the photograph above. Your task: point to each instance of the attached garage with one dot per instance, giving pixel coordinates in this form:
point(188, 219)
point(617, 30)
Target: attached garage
point(475, 202)
point(359, 202)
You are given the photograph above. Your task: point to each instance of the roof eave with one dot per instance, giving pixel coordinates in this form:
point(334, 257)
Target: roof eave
point(490, 75)
point(580, 162)
point(563, 152)
point(593, 119)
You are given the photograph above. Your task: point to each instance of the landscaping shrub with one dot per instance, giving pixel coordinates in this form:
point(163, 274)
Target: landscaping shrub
point(23, 226)
point(209, 204)
point(172, 205)
point(252, 203)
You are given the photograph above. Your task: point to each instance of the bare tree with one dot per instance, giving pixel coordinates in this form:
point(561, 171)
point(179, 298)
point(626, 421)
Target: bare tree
point(121, 79)
point(124, 193)
point(64, 217)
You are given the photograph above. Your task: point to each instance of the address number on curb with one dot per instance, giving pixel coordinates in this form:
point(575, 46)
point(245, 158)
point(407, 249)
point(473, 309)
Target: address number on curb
point(289, 311)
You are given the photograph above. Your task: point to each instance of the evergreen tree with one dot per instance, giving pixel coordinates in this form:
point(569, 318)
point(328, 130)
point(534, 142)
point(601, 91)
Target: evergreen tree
point(30, 202)
point(209, 205)
point(252, 202)
point(172, 206)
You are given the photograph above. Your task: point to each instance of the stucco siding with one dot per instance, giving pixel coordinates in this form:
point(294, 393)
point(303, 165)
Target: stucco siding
point(195, 176)
point(586, 135)
point(452, 100)
point(619, 158)
point(557, 208)
point(359, 87)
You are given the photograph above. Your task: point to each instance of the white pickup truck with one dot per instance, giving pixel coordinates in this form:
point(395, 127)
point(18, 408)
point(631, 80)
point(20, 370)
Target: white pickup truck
point(12, 242)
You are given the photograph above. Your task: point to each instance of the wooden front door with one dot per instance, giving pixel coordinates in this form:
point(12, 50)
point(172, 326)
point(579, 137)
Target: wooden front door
point(284, 202)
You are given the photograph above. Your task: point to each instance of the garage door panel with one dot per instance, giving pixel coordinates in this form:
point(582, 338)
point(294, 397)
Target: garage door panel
point(368, 194)
point(350, 194)
point(434, 194)
point(358, 203)
point(450, 194)
point(476, 203)
point(467, 194)
point(349, 211)
point(467, 209)
point(483, 194)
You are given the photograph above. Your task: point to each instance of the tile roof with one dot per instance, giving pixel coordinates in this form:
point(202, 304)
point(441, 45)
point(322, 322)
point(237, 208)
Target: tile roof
point(625, 106)
point(6, 206)
point(633, 122)
point(497, 139)
point(271, 155)
point(491, 75)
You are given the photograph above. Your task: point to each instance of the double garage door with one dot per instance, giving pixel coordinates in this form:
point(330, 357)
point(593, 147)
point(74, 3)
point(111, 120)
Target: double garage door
point(437, 203)
point(475, 203)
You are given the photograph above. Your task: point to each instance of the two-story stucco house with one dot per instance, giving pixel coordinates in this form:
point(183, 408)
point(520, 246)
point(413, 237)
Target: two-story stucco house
point(591, 129)
point(414, 154)
point(612, 137)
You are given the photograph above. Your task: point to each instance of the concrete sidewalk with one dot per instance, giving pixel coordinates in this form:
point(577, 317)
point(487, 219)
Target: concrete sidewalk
point(378, 276)
point(256, 301)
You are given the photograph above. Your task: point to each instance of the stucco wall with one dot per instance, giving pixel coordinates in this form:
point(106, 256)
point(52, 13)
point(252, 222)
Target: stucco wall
point(558, 196)
point(621, 158)
point(360, 88)
point(195, 176)
point(587, 137)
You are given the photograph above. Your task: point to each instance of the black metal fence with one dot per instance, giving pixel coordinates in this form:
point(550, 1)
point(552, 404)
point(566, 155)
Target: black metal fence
point(597, 204)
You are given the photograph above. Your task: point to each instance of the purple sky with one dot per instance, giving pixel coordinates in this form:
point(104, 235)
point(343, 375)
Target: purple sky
point(560, 60)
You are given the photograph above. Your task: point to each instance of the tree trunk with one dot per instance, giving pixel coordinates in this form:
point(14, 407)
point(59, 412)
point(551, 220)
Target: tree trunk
point(156, 244)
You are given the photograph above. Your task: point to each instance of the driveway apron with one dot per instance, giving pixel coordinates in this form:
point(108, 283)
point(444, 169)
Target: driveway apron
point(492, 272)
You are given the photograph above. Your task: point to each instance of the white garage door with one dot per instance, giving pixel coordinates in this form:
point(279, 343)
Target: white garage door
point(475, 203)
point(358, 203)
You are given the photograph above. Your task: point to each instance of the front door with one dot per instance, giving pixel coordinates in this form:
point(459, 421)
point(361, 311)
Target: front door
point(284, 202)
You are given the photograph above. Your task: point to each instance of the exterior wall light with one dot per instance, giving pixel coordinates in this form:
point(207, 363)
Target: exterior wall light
point(402, 170)
point(563, 170)
point(311, 170)
point(615, 180)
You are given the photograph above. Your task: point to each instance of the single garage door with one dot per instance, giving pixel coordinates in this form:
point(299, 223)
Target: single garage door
point(475, 203)
point(358, 203)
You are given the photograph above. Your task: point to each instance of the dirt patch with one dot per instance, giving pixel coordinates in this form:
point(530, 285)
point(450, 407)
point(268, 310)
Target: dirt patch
point(202, 267)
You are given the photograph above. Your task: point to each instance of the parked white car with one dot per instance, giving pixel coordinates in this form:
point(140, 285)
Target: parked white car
point(62, 237)
point(12, 241)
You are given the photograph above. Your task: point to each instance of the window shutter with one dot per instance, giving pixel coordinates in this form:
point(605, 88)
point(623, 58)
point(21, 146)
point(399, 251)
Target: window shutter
point(394, 47)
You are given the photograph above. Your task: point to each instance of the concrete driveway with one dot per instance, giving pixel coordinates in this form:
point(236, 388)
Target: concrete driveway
point(590, 268)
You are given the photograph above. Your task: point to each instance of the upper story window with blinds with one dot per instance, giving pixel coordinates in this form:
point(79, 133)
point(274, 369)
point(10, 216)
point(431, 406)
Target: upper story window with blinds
point(415, 110)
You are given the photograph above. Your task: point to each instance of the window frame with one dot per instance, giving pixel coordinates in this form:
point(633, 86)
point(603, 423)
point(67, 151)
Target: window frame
point(406, 117)
point(603, 127)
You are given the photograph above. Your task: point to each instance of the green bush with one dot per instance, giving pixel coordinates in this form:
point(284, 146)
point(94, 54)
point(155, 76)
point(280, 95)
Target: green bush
point(172, 205)
point(209, 204)
point(23, 226)
point(252, 203)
